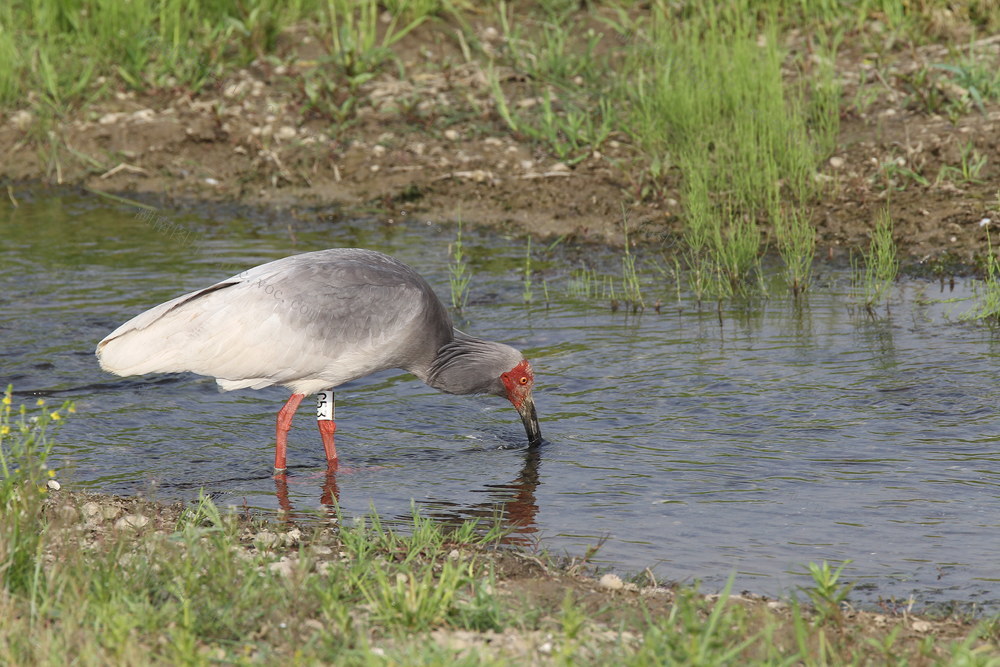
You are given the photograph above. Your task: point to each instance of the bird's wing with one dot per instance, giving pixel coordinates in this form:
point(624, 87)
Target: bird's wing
point(309, 321)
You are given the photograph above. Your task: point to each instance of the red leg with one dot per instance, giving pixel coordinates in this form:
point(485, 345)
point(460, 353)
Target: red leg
point(325, 407)
point(285, 416)
point(326, 429)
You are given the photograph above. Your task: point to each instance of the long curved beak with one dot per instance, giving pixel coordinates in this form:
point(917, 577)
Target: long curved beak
point(530, 419)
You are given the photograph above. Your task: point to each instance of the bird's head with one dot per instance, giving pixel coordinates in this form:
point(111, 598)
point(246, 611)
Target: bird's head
point(468, 365)
point(518, 383)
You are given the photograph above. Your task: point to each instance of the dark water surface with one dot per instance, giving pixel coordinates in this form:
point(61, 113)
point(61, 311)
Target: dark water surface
point(791, 433)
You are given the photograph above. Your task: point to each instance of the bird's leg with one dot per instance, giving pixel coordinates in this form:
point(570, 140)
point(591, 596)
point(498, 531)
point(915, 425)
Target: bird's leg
point(285, 416)
point(324, 419)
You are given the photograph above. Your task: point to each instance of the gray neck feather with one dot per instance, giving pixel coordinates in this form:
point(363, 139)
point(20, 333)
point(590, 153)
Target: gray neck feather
point(468, 365)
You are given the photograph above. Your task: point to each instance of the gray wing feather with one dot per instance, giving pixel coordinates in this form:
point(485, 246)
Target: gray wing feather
point(309, 321)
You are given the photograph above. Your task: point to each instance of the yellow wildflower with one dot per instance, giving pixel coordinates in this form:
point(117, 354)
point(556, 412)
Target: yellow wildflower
point(6, 400)
point(71, 409)
point(40, 402)
point(56, 416)
point(4, 430)
point(52, 473)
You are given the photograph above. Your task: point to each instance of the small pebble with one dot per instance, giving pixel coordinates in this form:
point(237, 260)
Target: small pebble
point(53, 485)
point(265, 539)
point(283, 568)
point(612, 582)
point(131, 521)
point(22, 119)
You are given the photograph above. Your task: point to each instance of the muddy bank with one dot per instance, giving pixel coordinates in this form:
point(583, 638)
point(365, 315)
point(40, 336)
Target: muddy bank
point(433, 146)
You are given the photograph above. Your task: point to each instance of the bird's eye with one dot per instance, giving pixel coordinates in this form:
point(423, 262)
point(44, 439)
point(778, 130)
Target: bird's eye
point(523, 380)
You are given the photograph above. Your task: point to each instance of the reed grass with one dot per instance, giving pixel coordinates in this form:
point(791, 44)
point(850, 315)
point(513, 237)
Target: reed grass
point(987, 288)
point(796, 241)
point(631, 283)
point(459, 273)
point(881, 264)
point(741, 138)
point(527, 293)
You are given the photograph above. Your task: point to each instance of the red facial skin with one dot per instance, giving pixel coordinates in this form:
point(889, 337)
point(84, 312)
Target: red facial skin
point(518, 381)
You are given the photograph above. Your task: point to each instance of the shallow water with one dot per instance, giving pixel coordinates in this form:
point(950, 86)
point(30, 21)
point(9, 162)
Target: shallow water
point(788, 433)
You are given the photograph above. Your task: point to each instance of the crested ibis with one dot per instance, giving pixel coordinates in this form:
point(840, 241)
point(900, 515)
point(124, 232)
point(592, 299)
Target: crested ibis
point(312, 322)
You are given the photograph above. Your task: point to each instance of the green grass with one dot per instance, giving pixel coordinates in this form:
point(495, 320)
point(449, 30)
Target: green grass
point(572, 112)
point(459, 273)
point(881, 265)
point(969, 169)
point(527, 293)
point(796, 241)
point(631, 281)
point(70, 51)
point(987, 288)
point(24, 477)
point(827, 593)
point(740, 137)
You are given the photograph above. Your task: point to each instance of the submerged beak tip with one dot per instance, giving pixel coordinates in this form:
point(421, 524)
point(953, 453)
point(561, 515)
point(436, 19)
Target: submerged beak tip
point(530, 418)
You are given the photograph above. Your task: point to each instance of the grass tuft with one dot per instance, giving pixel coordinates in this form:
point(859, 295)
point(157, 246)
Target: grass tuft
point(881, 264)
point(987, 289)
point(459, 273)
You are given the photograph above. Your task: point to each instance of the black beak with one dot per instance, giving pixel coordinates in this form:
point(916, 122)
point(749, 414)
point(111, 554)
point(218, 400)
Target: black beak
point(530, 419)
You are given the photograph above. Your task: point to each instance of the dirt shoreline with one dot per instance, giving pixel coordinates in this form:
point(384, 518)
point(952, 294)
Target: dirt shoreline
point(247, 139)
point(616, 608)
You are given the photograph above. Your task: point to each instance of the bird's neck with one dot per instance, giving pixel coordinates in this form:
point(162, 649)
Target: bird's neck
point(468, 365)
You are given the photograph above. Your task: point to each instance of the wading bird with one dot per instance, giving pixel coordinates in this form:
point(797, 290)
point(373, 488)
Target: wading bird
point(312, 322)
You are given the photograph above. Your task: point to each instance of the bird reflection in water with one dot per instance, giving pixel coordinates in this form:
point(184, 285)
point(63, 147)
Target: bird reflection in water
point(513, 504)
point(329, 497)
